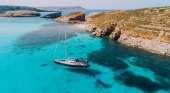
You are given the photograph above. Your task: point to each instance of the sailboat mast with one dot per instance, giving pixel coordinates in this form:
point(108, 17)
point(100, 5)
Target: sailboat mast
point(65, 36)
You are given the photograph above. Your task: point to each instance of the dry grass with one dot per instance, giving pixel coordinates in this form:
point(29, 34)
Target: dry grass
point(73, 14)
point(129, 20)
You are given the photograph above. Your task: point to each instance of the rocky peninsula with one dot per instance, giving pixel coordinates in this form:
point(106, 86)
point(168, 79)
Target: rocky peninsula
point(146, 28)
point(20, 13)
point(75, 17)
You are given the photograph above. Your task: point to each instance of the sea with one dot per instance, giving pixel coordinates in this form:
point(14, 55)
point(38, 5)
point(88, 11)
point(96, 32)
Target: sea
point(27, 50)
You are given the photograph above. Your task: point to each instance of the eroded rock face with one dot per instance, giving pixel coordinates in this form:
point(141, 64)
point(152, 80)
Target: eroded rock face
point(115, 35)
point(94, 30)
point(20, 13)
point(152, 40)
point(97, 31)
point(75, 17)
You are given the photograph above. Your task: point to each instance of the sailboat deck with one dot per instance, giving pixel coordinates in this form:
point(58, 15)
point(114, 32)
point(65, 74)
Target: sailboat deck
point(73, 63)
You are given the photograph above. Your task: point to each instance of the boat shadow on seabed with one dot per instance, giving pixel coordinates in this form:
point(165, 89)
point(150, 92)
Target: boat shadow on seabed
point(85, 71)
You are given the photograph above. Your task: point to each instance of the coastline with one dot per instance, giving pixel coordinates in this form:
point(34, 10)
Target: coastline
point(155, 41)
point(114, 30)
point(153, 45)
point(27, 41)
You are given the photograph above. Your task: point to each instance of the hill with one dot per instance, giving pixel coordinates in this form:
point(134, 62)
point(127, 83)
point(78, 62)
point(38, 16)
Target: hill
point(56, 8)
point(147, 28)
point(146, 23)
point(4, 8)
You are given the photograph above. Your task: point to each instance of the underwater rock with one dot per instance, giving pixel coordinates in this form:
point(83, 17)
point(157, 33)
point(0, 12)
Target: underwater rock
point(145, 84)
point(43, 65)
point(98, 81)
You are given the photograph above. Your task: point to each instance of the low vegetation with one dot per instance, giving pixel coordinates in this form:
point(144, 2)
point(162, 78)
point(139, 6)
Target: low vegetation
point(72, 16)
point(146, 22)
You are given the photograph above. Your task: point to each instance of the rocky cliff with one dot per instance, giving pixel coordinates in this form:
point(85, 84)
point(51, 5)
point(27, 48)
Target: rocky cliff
point(20, 13)
point(147, 28)
point(98, 25)
point(94, 30)
point(74, 17)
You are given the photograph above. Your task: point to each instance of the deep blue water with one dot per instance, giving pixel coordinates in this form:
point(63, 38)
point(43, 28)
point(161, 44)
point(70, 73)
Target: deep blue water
point(26, 66)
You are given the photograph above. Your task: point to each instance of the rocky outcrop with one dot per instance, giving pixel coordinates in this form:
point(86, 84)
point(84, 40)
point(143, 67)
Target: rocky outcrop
point(53, 15)
point(94, 30)
point(97, 31)
point(146, 28)
point(153, 45)
point(20, 13)
point(75, 17)
point(115, 35)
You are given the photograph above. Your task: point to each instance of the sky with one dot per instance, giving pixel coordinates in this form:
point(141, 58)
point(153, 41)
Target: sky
point(90, 4)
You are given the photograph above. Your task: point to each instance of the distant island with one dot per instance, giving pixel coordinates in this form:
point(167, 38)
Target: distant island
point(4, 8)
point(20, 13)
point(56, 8)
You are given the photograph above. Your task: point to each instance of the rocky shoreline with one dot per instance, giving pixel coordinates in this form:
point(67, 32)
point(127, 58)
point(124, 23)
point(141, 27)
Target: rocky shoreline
point(153, 45)
point(116, 33)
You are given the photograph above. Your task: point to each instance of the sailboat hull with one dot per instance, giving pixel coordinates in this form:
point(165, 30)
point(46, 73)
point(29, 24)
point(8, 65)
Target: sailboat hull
point(72, 63)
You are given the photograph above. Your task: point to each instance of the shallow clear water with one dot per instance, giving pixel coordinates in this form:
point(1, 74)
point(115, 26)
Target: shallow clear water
point(26, 66)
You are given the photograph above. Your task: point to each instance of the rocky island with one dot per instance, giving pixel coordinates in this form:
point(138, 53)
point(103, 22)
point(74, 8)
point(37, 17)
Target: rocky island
point(75, 17)
point(4, 8)
point(20, 13)
point(147, 28)
point(52, 15)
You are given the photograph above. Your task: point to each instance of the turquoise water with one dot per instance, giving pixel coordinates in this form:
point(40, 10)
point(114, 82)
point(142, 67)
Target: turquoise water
point(26, 66)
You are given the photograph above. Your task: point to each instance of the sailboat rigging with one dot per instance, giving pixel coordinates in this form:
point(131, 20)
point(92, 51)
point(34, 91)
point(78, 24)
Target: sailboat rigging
point(71, 61)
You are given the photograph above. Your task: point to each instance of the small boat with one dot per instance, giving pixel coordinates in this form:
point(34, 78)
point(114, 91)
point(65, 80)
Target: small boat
point(74, 62)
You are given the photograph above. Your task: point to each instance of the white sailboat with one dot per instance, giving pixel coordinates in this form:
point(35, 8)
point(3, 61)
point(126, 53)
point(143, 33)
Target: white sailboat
point(71, 61)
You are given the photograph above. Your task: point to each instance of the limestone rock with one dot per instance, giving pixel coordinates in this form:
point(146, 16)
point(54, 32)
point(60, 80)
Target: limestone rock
point(94, 33)
point(100, 32)
point(115, 35)
point(150, 45)
point(90, 28)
